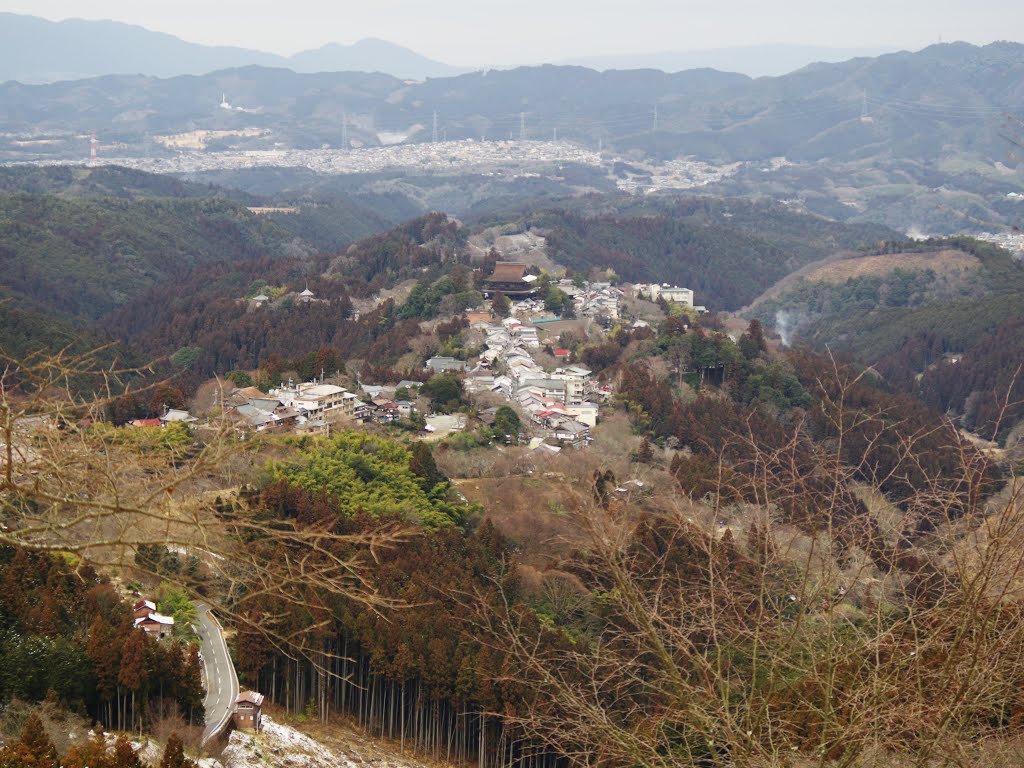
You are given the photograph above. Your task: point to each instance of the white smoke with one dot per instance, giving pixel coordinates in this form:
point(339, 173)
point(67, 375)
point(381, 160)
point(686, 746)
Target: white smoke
point(786, 322)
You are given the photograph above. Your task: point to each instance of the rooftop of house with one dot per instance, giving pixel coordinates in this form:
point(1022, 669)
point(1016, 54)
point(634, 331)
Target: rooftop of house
point(321, 391)
point(175, 414)
point(250, 697)
point(154, 617)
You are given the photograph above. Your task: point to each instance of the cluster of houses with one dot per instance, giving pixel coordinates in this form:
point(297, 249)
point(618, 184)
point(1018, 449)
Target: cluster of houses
point(561, 402)
point(311, 407)
point(151, 621)
point(598, 300)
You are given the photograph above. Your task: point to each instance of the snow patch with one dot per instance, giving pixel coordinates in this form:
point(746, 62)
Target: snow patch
point(278, 746)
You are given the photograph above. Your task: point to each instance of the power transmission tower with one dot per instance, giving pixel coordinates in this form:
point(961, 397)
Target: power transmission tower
point(865, 117)
point(522, 126)
point(555, 135)
point(435, 127)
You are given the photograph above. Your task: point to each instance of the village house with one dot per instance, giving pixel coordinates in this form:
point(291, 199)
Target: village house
point(546, 389)
point(316, 401)
point(444, 364)
point(527, 336)
point(362, 411)
point(153, 623)
point(576, 379)
point(248, 711)
point(174, 415)
point(386, 412)
point(568, 430)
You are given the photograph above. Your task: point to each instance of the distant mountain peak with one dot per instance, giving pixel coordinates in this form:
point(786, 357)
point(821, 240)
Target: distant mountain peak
point(35, 50)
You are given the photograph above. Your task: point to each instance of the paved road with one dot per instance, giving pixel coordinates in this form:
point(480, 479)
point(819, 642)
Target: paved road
point(218, 673)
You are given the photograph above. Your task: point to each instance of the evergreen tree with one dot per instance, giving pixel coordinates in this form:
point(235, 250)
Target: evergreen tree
point(500, 305)
point(125, 755)
point(174, 754)
point(33, 750)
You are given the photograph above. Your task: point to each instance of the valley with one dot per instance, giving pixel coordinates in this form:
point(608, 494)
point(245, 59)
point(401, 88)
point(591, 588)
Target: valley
point(690, 437)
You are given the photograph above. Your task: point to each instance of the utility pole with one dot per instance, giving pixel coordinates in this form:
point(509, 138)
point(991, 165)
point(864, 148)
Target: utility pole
point(435, 127)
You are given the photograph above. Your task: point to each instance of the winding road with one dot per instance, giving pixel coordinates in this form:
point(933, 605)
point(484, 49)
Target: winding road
point(218, 673)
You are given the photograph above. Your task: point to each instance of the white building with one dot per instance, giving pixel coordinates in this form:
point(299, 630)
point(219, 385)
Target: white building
point(576, 380)
point(319, 401)
point(670, 293)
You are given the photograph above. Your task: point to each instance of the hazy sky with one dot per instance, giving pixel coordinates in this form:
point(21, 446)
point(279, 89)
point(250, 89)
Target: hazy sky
point(478, 32)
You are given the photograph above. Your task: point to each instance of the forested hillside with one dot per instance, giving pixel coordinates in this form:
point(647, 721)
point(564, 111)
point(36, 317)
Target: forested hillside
point(66, 634)
point(82, 258)
point(209, 310)
point(916, 308)
point(106, 181)
point(728, 252)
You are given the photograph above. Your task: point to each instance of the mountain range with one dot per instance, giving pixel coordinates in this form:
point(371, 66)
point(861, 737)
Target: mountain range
point(942, 101)
point(35, 50)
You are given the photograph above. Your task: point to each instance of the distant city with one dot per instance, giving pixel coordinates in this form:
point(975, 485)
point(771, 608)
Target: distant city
point(514, 159)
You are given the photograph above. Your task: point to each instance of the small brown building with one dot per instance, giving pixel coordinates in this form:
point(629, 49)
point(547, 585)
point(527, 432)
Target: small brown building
point(143, 608)
point(247, 711)
point(156, 625)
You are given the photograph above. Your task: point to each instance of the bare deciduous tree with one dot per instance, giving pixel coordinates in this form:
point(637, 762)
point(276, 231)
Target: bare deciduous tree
point(800, 634)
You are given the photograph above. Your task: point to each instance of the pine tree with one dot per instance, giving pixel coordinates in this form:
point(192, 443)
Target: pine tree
point(645, 455)
point(500, 305)
point(125, 755)
point(174, 754)
point(33, 750)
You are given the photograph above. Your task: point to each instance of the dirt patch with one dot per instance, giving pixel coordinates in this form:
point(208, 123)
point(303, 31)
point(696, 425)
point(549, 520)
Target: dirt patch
point(841, 267)
point(399, 294)
point(529, 247)
point(883, 264)
point(533, 511)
